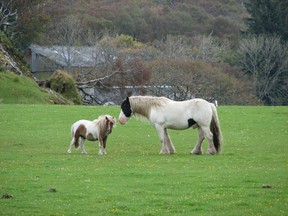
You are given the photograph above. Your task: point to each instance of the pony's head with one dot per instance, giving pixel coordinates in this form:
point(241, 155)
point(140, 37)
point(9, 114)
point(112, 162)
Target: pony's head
point(125, 112)
point(110, 123)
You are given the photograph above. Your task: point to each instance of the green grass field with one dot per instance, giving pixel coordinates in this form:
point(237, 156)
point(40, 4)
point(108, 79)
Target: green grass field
point(133, 179)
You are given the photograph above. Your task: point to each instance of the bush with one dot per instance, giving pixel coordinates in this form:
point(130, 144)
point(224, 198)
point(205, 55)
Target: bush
point(64, 84)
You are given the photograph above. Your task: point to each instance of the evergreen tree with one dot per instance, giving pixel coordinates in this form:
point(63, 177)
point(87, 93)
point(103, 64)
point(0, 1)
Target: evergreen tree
point(268, 17)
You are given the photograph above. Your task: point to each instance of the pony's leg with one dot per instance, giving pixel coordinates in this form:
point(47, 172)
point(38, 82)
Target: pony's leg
point(208, 134)
point(101, 151)
point(198, 147)
point(81, 143)
point(104, 145)
point(169, 142)
point(71, 145)
point(161, 134)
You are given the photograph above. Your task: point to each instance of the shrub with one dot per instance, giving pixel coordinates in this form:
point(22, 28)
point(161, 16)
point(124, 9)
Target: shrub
point(64, 84)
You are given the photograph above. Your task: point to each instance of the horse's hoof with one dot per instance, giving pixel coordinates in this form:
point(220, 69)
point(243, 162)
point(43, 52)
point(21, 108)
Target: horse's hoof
point(69, 151)
point(196, 152)
point(211, 152)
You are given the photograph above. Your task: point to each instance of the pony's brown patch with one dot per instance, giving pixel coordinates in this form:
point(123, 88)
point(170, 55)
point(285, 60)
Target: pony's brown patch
point(80, 132)
point(90, 137)
point(142, 104)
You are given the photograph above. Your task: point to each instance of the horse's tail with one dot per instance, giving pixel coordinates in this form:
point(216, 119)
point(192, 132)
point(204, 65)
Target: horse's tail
point(215, 129)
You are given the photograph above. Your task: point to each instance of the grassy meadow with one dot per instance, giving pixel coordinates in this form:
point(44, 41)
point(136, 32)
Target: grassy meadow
point(250, 176)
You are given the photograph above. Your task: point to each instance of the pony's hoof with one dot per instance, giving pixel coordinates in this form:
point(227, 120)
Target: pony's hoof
point(164, 152)
point(69, 151)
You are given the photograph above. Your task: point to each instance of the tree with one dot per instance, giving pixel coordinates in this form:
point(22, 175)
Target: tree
point(119, 66)
point(201, 48)
point(8, 15)
point(265, 59)
point(66, 34)
point(23, 21)
point(268, 17)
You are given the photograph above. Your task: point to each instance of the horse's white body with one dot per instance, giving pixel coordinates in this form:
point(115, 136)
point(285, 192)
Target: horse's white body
point(174, 114)
point(91, 130)
point(165, 114)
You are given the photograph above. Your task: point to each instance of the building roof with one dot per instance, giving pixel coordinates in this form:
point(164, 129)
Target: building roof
point(74, 56)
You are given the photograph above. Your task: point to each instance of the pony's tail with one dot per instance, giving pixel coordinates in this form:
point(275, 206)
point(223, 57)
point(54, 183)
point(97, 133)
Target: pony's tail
point(216, 130)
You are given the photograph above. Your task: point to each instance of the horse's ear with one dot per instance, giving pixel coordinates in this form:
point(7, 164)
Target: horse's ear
point(127, 99)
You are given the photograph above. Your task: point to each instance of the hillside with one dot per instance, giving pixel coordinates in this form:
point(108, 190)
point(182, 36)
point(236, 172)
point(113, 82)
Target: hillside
point(17, 84)
point(148, 20)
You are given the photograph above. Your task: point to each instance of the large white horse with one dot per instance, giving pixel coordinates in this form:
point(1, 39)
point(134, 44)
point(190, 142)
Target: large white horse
point(165, 114)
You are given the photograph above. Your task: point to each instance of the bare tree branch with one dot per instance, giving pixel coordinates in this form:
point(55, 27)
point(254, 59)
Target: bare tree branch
point(265, 59)
point(94, 81)
point(8, 16)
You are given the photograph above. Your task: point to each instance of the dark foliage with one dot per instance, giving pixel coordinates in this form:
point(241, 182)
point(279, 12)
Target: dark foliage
point(268, 17)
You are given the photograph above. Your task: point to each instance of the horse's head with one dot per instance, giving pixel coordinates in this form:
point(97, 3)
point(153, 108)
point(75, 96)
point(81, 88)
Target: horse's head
point(125, 112)
point(110, 123)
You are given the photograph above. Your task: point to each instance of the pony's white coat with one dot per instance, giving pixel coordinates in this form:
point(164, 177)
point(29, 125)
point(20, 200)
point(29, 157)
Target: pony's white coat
point(165, 114)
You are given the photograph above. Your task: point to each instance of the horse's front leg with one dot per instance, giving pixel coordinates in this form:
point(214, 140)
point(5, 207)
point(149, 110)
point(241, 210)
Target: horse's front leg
point(168, 141)
point(104, 145)
point(198, 147)
point(101, 148)
point(161, 134)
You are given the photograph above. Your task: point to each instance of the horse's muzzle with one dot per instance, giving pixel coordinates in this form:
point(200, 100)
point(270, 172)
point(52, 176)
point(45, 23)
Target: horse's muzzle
point(122, 120)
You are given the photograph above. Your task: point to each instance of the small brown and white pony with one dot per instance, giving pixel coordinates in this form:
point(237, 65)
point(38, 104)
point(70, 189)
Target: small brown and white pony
point(99, 129)
point(165, 114)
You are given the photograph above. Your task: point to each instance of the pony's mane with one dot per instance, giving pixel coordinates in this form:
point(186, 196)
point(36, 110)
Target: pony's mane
point(100, 121)
point(141, 105)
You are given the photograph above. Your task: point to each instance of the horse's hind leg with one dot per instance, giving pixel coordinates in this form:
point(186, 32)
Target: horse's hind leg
point(208, 134)
point(168, 141)
point(81, 143)
point(198, 147)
